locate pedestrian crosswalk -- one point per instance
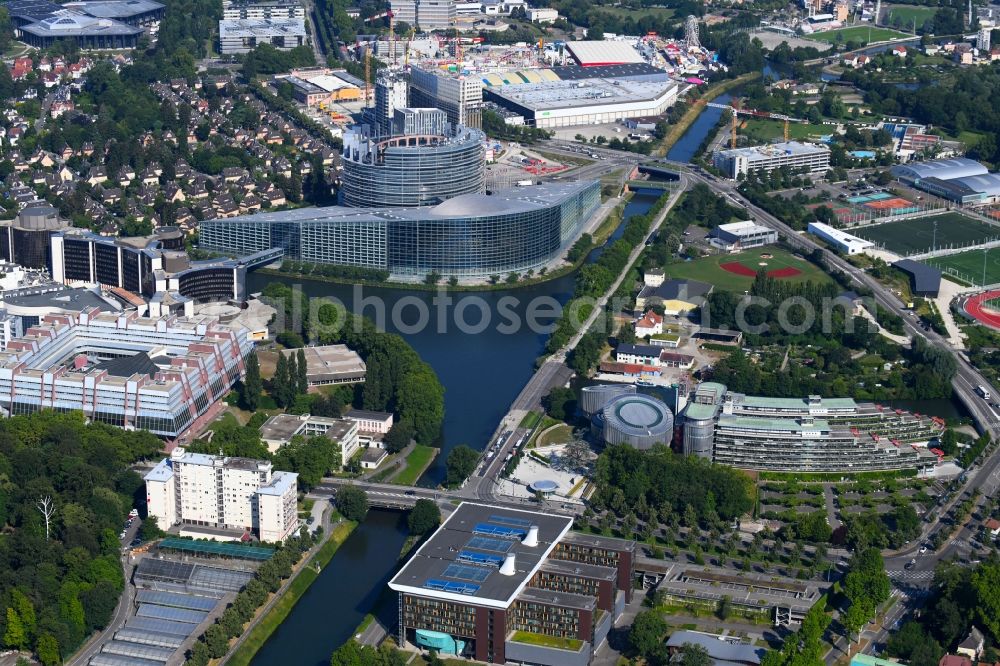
(911, 575)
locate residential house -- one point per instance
(649, 324)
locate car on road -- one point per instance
(923, 550)
(909, 565)
(409, 493)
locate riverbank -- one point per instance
(682, 126)
(604, 230)
(283, 603)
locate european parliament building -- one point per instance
(471, 235)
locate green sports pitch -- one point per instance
(709, 269)
(858, 33)
(907, 237)
(969, 266)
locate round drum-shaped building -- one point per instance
(638, 420)
(593, 398)
(412, 170)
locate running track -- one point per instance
(976, 307)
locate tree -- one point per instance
(646, 634)
(302, 385)
(695, 655)
(280, 383)
(461, 462)
(724, 608)
(352, 502)
(15, 636)
(47, 509)
(253, 386)
(560, 403)
(854, 620)
(424, 517)
(399, 437)
(149, 529)
(986, 586)
(48, 650)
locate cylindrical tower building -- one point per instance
(593, 398)
(638, 420)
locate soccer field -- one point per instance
(914, 236)
(968, 266)
(860, 33)
(709, 269)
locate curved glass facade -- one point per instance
(410, 171)
(471, 235)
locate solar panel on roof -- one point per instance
(448, 586)
(479, 558)
(496, 530)
(168, 613)
(158, 626)
(485, 543)
(176, 599)
(463, 572)
(508, 520)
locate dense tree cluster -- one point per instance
(459, 465)
(352, 502)
(265, 59)
(496, 128)
(55, 591)
(806, 646)
(353, 273)
(214, 643)
(963, 101)
(353, 653)
(397, 380)
(890, 529)
(424, 518)
(627, 476)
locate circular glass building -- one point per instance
(638, 420)
(593, 398)
(412, 170)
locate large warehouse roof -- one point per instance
(603, 53)
(579, 94)
(987, 183)
(959, 167)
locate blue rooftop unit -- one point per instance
(479, 558)
(496, 530)
(449, 586)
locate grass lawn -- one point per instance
(709, 269)
(530, 419)
(269, 623)
(416, 463)
(969, 265)
(558, 435)
(622, 12)
(758, 129)
(909, 13)
(529, 638)
(912, 236)
(858, 33)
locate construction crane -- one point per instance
(406, 54)
(786, 130)
(368, 75)
(392, 38)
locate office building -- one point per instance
(25, 240)
(148, 266)
(505, 585)
(424, 162)
(235, 10)
(796, 156)
(279, 430)
(321, 86)
(330, 364)
(244, 35)
(739, 236)
(470, 235)
(425, 14)
(813, 434)
(983, 39)
(461, 97)
(222, 498)
(129, 371)
(370, 421)
(840, 240)
(568, 102)
(391, 93)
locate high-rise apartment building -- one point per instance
(222, 498)
(391, 93)
(461, 97)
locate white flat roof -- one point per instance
(328, 82)
(603, 52)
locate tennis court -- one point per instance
(907, 237)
